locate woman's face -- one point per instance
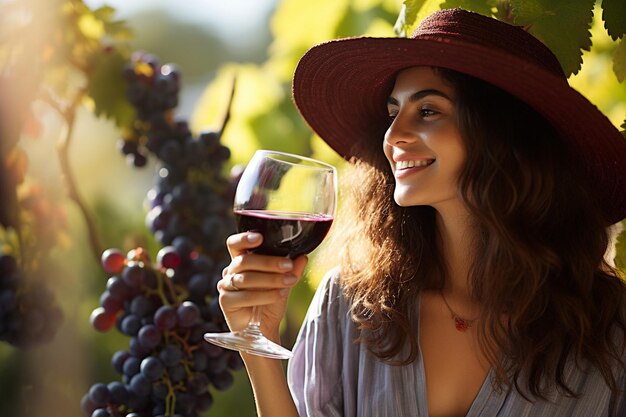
(423, 143)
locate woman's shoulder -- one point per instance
(329, 297)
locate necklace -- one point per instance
(460, 323)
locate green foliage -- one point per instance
(355, 22)
(549, 20)
(614, 16)
(107, 87)
(619, 60)
(484, 7)
(411, 10)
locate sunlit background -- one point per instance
(256, 42)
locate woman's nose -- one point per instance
(399, 132)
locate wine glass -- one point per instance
(290, 200)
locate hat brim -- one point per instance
(341, 88)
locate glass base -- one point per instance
(255, 344)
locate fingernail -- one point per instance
(289, 279)
(253, 237)
(284, 292)
(286, 264)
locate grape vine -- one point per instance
(166, 306)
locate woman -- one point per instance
(472, 280)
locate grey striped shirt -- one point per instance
(331, 375)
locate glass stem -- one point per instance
(254, 325)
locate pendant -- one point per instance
(461, 324)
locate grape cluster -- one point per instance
(191, 197)
(29, 314)
(164, 308)
(153, 92)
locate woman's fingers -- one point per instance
(232, 300)
(240, 243)
(255, 281)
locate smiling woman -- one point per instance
(471, 277)
(423, 143)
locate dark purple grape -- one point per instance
(130, 325)
(165, 317)
(222, 380)
(199, 360)
(110, 303)
(188, 314)
(149, 336)
(86, 405)
(204, 401)
(141, 306)
(118, 288)
(198, 383)
(119, 359)
(137, 349)
(199, 285)
(100, 412)
(131, 366)
(133, 275)
(118, 392)
(99, 394)
(152, 368)
(140, 385)
(171, 355)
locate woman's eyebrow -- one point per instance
(419, 95)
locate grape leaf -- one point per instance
(484, 7)
(614, 16)
(407, 16)
(563, 25)
(619, 61)
(107, 87)
(354, 23)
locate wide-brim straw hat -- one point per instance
(341, 88)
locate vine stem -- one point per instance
(63, 148)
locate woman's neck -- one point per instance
(455, 231)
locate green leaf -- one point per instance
(619, 61)
(484, 7)
(118, 30)
(355, 23)
(107, 87)
(614, 16)
(412, 12)
(104, 13)
(563, 25)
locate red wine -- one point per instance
(284, 234)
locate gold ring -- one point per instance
(231, 286)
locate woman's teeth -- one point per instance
(412, 164)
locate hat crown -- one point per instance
(474, 28)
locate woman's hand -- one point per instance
(256, 280)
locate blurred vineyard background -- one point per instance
(259, 43)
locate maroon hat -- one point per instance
(341, 87)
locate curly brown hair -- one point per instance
(538, 253)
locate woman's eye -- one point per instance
(392, 116)
(427, 112)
